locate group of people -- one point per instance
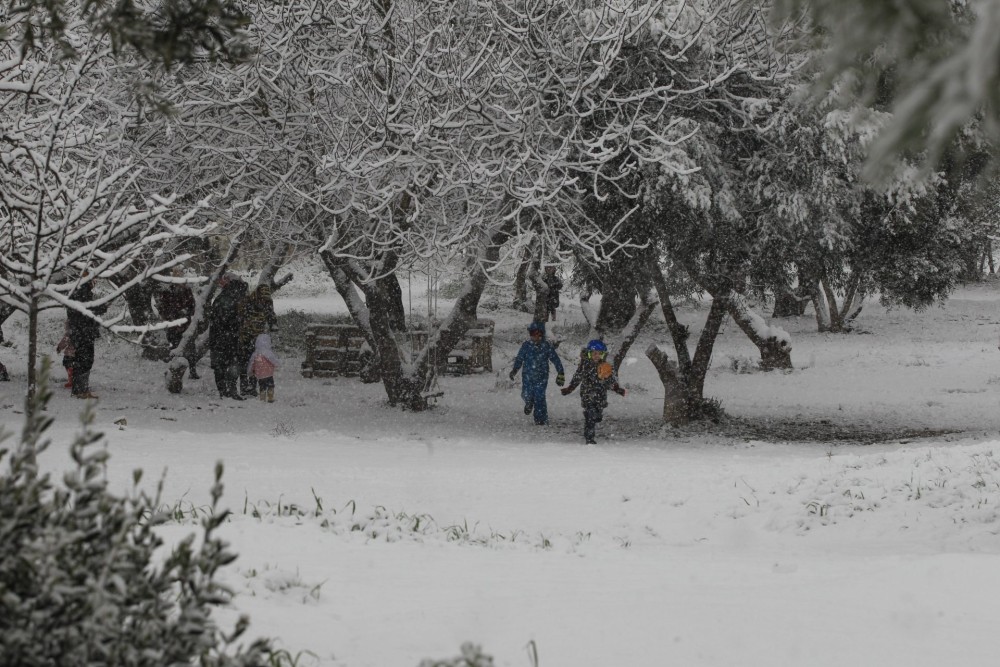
(239, 340)
(594, 375)
(239, 326)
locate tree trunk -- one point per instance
(194, 342)
(541, 289)
(774, 343)
(684, 382)
(390, 296)
(32, 355)
(675, 409)
(405, 382)
(521, 285)
(632, 330)
(679, 333)
(702, 359)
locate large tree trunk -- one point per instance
(675, 409)
(630, 333)
(194, 342)
(521, 285)
(32, 355)
(405, 381)
(831, 316)
(774, 343)
(541, 289)
(684, 381)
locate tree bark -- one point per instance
(675, 409)
(632, 330)
(541, 289)
(520, 301)
(684, 382)
(773, 342)
(404, 382)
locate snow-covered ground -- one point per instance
(371, 537)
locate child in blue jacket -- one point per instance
(535, 355)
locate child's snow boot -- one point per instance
(69, 378)
(270, 394)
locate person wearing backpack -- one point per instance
(594, 375)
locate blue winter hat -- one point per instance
(597, 346)
(536, 326)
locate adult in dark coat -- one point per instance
(82, 330)
(555, 284)
(174, 302)
(224, 335)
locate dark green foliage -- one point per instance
(166, 32)
(81, 579)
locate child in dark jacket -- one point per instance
(594, 376)
(535, 355)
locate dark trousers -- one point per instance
(591, 416)
(534, 395)
(225, 380)
(248, 383)
(83, 361)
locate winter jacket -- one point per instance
(224, 323)
(256, 315)
(535, 358)
(593, 390)
(81, 328)
(555, 284)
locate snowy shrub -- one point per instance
(84, 578)
(472, 656)
(283, 428)
(742, 365)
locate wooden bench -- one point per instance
(338, 349)
(473, 353)
(333, 350)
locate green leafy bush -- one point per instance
(83, 577)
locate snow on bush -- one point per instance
(84, 579)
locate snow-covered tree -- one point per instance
(841, 238)
(933, 60)
(70, 211)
